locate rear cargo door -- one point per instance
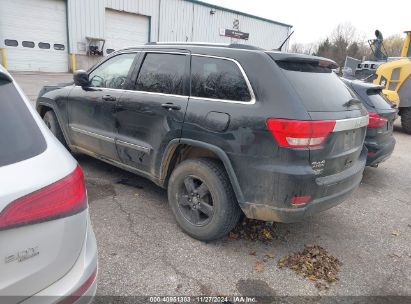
(382, 108)
(32, 257)
(325, 97)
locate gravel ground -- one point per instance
(142, 251)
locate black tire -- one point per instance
(406, 119)
(224, 212)
(51, 122)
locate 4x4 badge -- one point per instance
(318, 166)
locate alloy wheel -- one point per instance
(195, 201)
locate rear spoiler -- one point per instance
(375, 89)
(326, 63)
(362, 86)
(301, 58)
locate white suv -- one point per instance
(48, 249)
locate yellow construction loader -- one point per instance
(395, 76)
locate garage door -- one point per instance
(125, 30)
(34, 34)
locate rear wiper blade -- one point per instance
(352, 102)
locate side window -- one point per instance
(218, 79)
(162, 73)
(113, 73)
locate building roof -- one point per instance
(237, 12)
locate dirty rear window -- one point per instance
(318, 87)
(378, 101)
(20, 137)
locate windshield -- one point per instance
(20, 137)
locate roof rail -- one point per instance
(233, 45)
(188, 43)
(245, 47)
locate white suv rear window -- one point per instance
(20, 137)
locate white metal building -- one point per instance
(59, 35)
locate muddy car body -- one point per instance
(277, 130)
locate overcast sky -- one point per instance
(313, 20)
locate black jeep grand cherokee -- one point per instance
(227, 129)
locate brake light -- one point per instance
(376, 120)
(300, 133)
(300, 200)
(63, 198)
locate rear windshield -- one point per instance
(378, 101)
(20, 137)
(318, 87)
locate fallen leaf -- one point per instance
(233, 235)
(315, 264)
(253, 253)
(395, 233)
(269, 255)
(394, 255)
(259, 267)
(312, 277)
(255, 230)
(267, 234)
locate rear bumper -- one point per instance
(290, 215)
(82, 270)
(382, 151)
(327, 192)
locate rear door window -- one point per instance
(20, 137)
(217, 78)
(162, 73)
(319, 88)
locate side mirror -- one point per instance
(81, 79)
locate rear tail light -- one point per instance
(300, 200)
(63, 198)
(376, 120)
(300, 133)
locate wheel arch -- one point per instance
(175, 149)
(43, 107)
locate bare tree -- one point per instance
(344, 32)
(343, 41)
(393, 45)
(302, 48)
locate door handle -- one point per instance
(170, 106)
(109, 98)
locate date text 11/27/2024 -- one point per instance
(203, 299)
